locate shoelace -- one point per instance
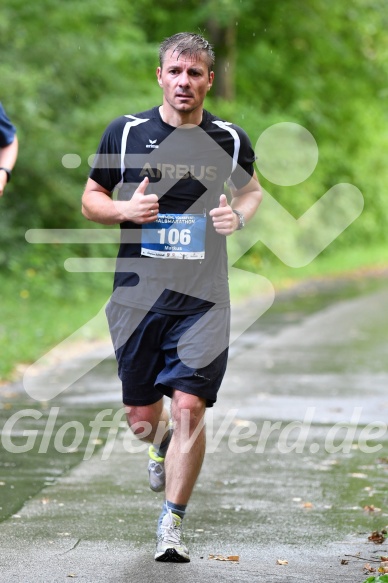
(171, 533)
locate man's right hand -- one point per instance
(98, 205)
(141, 208)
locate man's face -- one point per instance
(185, 81)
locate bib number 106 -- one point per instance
(174, 236)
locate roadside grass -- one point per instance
(35, 315)
(34, 318)
(351, 262)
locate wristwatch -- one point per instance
(241, 220)
(8, 173)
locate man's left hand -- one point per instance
(225, 220)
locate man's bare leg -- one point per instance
(187, 447)
(182, 465)
(151, 424)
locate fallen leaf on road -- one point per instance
(281, 562)
(383, 567)
(372, 508)
(368, 567)
(232, 558)
(307, 505)
(378, 537)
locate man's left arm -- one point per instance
(245, 201)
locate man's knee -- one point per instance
(143, 419)
(187, 410)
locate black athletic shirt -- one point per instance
(187, 168)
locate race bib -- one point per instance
(175, 236)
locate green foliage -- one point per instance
(377, 579)
(68, 69)
(321, 65)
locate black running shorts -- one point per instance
(157, 353)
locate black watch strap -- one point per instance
(7, 171)
(241, 220)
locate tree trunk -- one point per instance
(223, 39)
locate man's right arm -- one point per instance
(98, 205)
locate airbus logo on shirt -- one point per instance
(179, 171)
(152, 144)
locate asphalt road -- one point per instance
(295, 471)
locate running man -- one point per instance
(161, 175)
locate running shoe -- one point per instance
(156, 473)
(170, 547)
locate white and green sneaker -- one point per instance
(156, 473)
(169, 547)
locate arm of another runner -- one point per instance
(245, 200)
(8, 156)
(98, 205)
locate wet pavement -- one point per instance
(296, 467)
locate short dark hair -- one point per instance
(187, 43)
